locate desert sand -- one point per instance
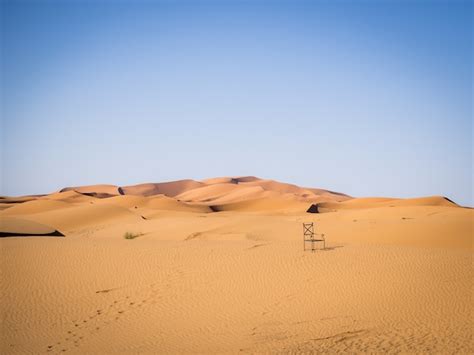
(217, 266)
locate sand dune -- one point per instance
(35, 206)
(230, 180)
(243, 194)
(70, 196)
(220, 180)
(9, 201)
(18, 199)
(200, 191)
(15, 227)
(75, 218)
(166, 203)
(377, 202)
(220, 193)
(125, 201)
(309, 194)
(170, 189)
(153, 203)
(414, 226)
(95, 189)
(272, 185)
(218, 266)
(4, 206)
(268, 201)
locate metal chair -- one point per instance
(309, 236)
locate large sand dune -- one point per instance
(217, 266)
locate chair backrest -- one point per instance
(308, 229)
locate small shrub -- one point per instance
(129, 235)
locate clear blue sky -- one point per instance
(367, 98)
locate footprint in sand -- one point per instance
(95, 321)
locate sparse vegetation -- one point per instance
(130, 235)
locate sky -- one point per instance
(369, 98)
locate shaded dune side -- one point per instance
(7, 202)
(18, 199)
(376, 202)
(18, 227)
(242, 179)
(95, 189)
(170, 189)
(230, 180)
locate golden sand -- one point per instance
(218, 266)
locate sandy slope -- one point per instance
(83, 217)
(36, 206)
(266, 202)
(15, 226)
(70, 196)
(221, 193)
(396, 277)
(377, 202)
